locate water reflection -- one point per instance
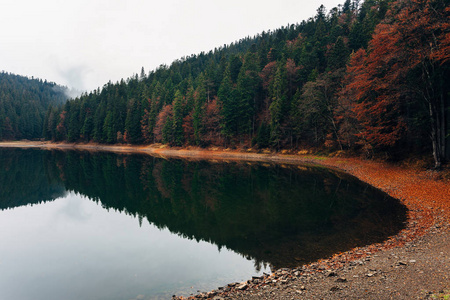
(281, 216)
(25, 178)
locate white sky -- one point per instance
(85, 43)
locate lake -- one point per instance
(81, 225)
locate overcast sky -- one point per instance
(85, 43)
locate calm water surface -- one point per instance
(75, 225)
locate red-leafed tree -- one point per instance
(267, 74)
(61, 128)
(442, 53)
(347, 123)
(162, 130)
(377, 90)
(406, 61)
(424, 27)
(188, 129)
(212, 121)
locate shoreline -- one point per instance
(163, 151)
(426, 197)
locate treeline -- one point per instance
(369, 77)
(24, 103)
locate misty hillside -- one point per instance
(24, 103)
(369, 77)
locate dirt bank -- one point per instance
(415, 264)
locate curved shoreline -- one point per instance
(426, 197)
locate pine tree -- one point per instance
(339, 55)
(228, 99)
(279, 103)
(132, 122)
(248, 85)
(200, 98)
(178, 115)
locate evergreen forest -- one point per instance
(24, 103)
(369, 77)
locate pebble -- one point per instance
(242, 286)
(211, 294)
(332, 274)
(335, 289)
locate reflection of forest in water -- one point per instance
(284, 216)
(25, 179)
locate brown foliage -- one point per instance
(61, 127)
(164, 116)
(344, 115)
(268, 73)
(377, 86)
(212, 122)
(295, 43)
(188, 128)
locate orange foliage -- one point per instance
(425, 195)
(164, 116)
(377, 80)
(61, 127)
(268, 73)
(212, 122)
(188, 128)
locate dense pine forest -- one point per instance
(368, 77)
(24, 103)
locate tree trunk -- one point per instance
(336, 132)
(435, 137)
(443, 127)
(434, 96)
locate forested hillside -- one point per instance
(371, 77)
(23, 105)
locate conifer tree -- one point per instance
(248, 85)
(178, 115)
(228, 98)
(200, 98)
(278, 95)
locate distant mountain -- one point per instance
(24, 103)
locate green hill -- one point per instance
(23, 105)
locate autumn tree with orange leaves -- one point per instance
(406, 60)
